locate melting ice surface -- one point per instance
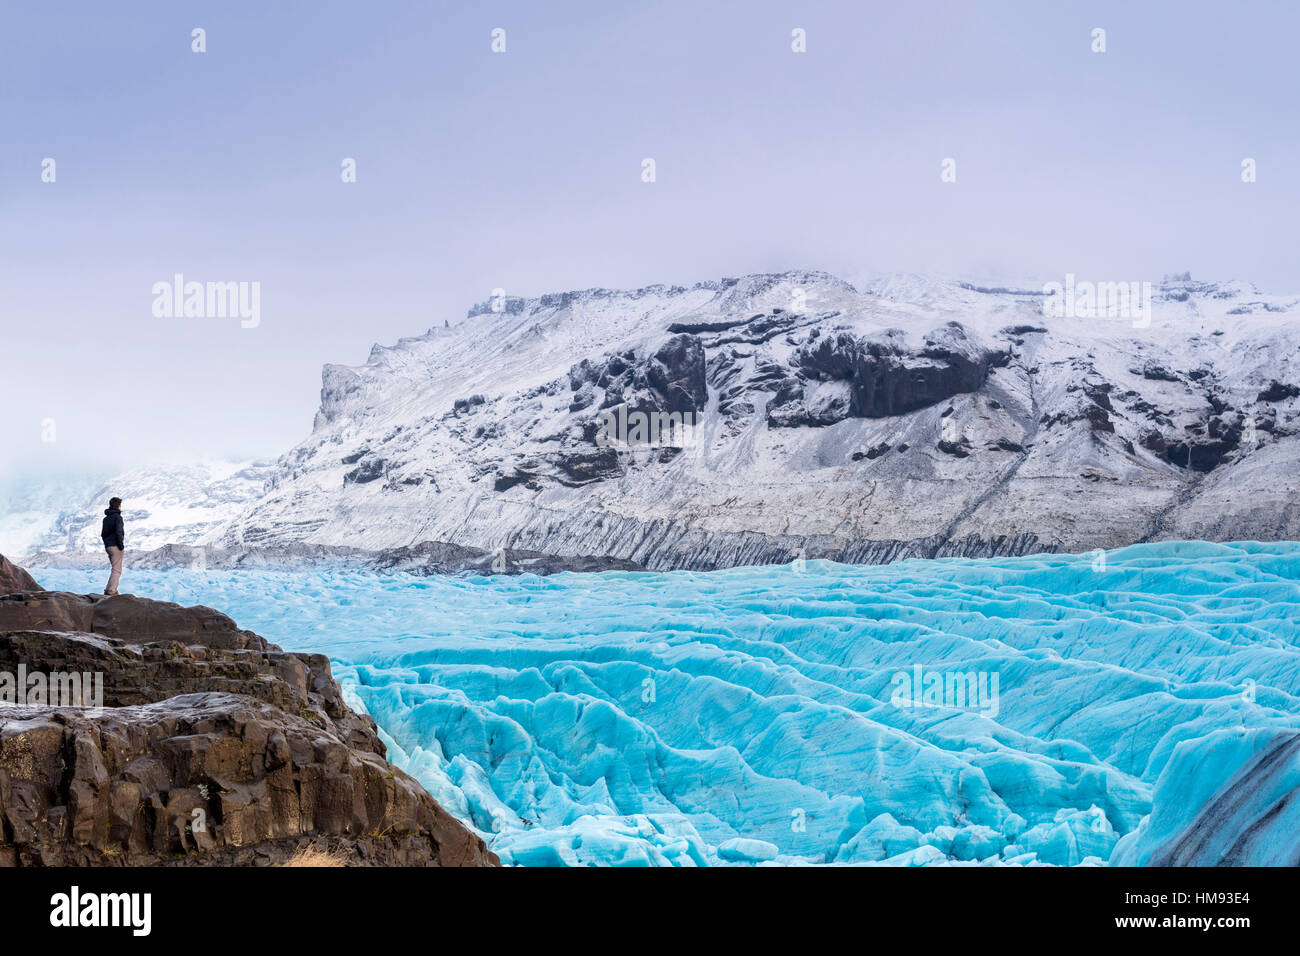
(1134, 708)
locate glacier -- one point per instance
(1132, 707)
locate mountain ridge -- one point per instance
(862, 421)
(921, 419)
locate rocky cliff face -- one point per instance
(862, 423)
(195, 742)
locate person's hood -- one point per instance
(112, 511)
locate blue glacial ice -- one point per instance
(1134, 708)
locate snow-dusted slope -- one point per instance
(909, 416)
(171, 504)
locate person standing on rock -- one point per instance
(114, 535)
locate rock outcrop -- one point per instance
(14, 578)
(672, 379)
(882, 377)
(192, 741)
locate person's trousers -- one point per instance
(115, 562)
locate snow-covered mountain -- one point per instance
(169, 504)
(902, 417)
(30, 506)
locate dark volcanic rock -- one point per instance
(584, 397)
(506, 482)
(672, 379)
(14, 578)
(1155, 372)
(695, 328)
(1278, 391)
(584, 466)
(208, 745)
(369, 470)
(1198, 452)
(677, 371)
(871, 453)
(758, 329)
(463, 405)
(886, 378)
(1098, 420)
(958, 449)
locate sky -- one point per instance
(522, 170)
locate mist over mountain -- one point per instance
(173, 504)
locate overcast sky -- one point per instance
(522, 170)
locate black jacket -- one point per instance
(113, 533)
